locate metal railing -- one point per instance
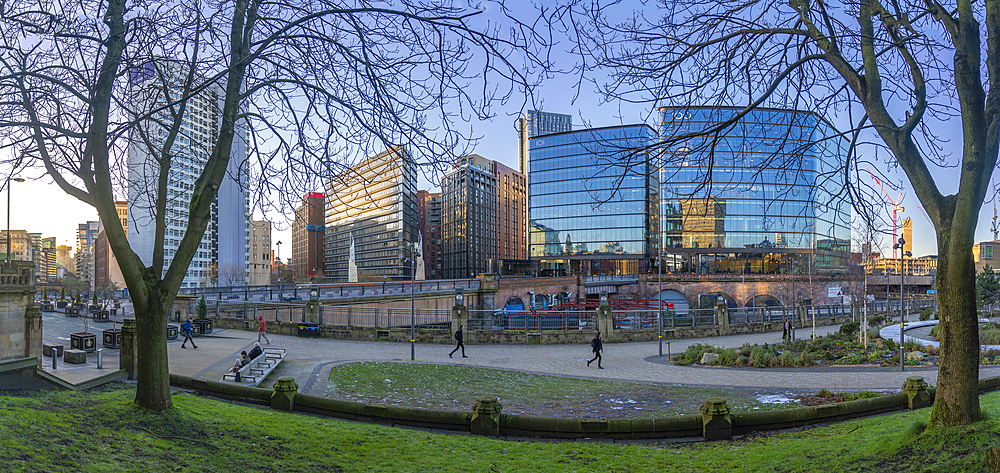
(292, 293)
(334, 315)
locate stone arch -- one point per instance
(681, 302)
(730, 302)
(513, 302)
(763, 300)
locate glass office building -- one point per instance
(370, 219)
(765, 194)
(593, 201)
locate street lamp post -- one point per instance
(9, 248)
(414, 254)
(659, 300)
(902, 309)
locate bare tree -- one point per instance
(302, 87)
(232, 275)
(895, 71)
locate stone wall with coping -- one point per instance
(513, 337)
(20, 319)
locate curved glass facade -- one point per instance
(764, 194)
(592, 201)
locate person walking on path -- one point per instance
(461, 342)
(188, 330)
(598, 347)
(262, 329)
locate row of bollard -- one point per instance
(100, 359)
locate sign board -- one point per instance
(932, 291)
(834, 291)
(670, 305)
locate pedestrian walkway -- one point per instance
(310, 360)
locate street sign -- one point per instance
(833, 291)
(932, 291)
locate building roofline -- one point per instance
(596, 129)
(765, 109)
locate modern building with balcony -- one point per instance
(761, 194)
(593, 201)
(371, 219)
(307, 238)
(429, 205)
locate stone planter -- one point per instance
(113, 338)
(172, 331)
(101, 316)
(201, 326)
(94, 308)
(85, 341)
(47, 306)
(73, 312)
(62, 304)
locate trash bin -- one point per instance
(308, 330)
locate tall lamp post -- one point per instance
(9, 248)
(659, 300)
(902, 310)
(414, 254)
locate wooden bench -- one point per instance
(258, 369)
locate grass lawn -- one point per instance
(457, 387)
(101, 431)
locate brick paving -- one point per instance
(309, 361)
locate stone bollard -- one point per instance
(127, 353)
(993, 459)
(916, 392)
(283, 396)
(486, 416)
(716, 423)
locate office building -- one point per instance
(429, 206)
(224, 246)
(48, 265)
(64, 261)
(370, 219)
(86, 236)
(765, 194)
(535, 123)
(20, 243)
(260, 253)
(483, 216)
(590, 215)
(308, 231)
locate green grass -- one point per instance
(457, 387)
(101, 431)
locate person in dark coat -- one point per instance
(188, 330)
(461, 342)
(256, 351)
(598, 347)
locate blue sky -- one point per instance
(40, 206)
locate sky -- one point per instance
(38, 205)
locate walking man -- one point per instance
(461, 342)
(262, 329)
(598, 347)
(188, 329)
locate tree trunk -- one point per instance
(956, 401)
(152, 365)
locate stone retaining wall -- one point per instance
(486, 418)
(516, 337)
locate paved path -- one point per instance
(309, 360)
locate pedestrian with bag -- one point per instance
(461, 342)
(188, 330)
(598, 347)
